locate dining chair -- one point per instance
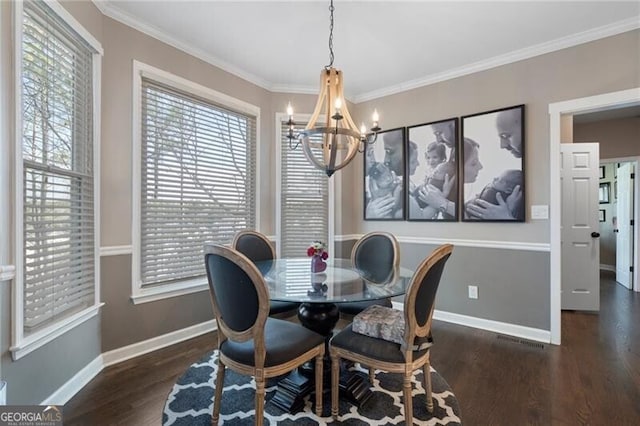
(249, 341)
(390, 356)
(257, 247)
(376, 254)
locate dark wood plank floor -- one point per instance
(593, 378)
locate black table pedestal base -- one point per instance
(291, 392)
(354, 386)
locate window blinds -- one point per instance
(57, 150)
(304, 200)
(198, 180)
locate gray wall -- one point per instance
(618, 138)
(513, 284)
(566, 74)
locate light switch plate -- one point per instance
(540, 212)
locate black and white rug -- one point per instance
(190, 402)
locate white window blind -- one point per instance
(304, 200)
(58, 181)
(198, 180)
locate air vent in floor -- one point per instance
(521, 341)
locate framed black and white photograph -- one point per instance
(432, 170)
(493, 174)
(601, 172)
(384, 163)
(603, 195)
(602, 216)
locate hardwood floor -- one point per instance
(593, 378)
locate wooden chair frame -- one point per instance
(257, 234)
(255, 333)
(365, 237)
(412, 330)
(261, 236)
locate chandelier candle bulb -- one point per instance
(331, 139)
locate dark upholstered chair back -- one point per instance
(238, 292)
(376, 254)
(421, 295)
(254, 245)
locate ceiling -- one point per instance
(382, 47)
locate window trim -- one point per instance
(140, 294)
(22, 345)
(282, 117)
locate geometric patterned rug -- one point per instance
(190, 402)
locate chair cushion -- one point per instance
(384, 323)
(372, 347)
(283, 340)
(354, 308)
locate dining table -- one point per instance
(319, 294)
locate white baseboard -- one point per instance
(84, 376)
(74, 384)
(521, 331)
(140, 348)
(611, 268)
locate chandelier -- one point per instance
(331, 139)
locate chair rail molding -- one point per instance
(502, 245)
(7, 272)
(116, 250)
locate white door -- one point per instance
(580, 229)
(624, 235)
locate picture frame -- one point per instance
(602, 216)
(604, 192)
(432, 171)
(602, 172)
(493, 165)
(384, 176)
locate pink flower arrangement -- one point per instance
(318, 248)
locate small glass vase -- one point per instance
(317, 264)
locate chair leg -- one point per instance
(408, 399)
(372, 374)
(260, 392)
(426, 382)
(319, 368)
(217, 396)
(335, 373)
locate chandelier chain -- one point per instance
(331, 9)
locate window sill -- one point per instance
(42, 337)
(153, 294)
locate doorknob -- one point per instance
(595, 234)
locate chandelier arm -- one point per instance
(320, 102)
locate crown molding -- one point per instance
(108, 10)
(615, 28)
(515, 56)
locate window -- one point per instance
(197, 158)
(56, 178)
(304, 199)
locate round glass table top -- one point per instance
(291, 280)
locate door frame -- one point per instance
(636, 228)
(556, 110)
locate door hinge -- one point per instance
(630, 268)
(633, 175)
(631, 222)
